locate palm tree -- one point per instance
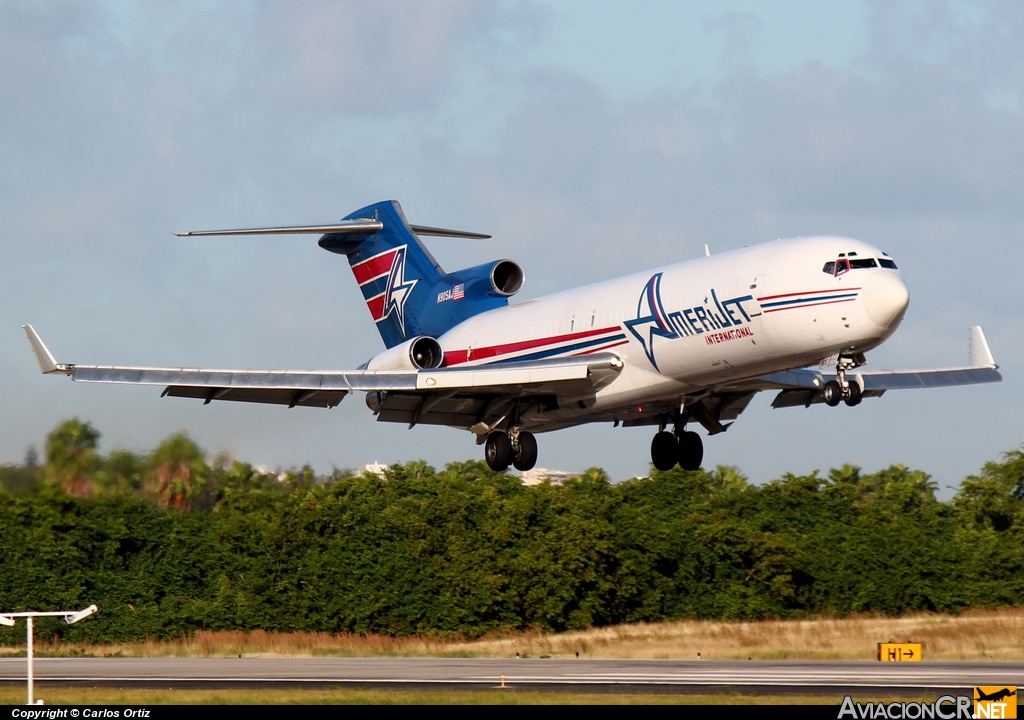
(177, 472)
(71, 457)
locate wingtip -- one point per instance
(48, 365)
(979, 353)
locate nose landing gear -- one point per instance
(841, 389)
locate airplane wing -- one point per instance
(717, 408)
(803, 387)
(448, 396)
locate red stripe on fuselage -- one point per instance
(809, 292)
(807, 305)
(457, 357)
(374, 267)
(602, 347)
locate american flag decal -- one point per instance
(458, 292)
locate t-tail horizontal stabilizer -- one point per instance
(404, 288)
(340, 228)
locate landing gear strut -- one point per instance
(515, 447)
(841, 389)
(682, 447)
(524, 452)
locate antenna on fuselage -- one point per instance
(707, 250)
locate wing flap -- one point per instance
(806, 398)
(271, 396)
(450, 411)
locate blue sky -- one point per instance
(591, 139)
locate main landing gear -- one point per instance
(515, 447)
(841, 389)
(682, 446)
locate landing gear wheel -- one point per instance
(664, 451)
(833, 393)
(854, 397)
(498, 451)
(524, 457)
(691, 451)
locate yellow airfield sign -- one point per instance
(899, 652)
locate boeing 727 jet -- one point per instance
(680, 346)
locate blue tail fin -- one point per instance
(406, 291)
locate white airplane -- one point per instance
(684, 344)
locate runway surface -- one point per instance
(689, 676)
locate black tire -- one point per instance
(833, 393)
(498, 451)
(691, 451)
(855, 395)
(664, 451)
(524, 457)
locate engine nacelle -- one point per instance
(501, 279)
(419, 353)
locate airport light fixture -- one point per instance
(70, 617)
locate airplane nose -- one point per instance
(885, 298)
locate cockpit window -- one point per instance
(861, 263)
(846, 263)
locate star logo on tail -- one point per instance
(398, 290)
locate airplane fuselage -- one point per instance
(689, 326)
(687, 343)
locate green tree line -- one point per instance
(171, 542)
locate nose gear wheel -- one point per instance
(841, 389)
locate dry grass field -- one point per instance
(978, 635)
(148, 696)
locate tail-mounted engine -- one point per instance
(499, 279)
(420, 353)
